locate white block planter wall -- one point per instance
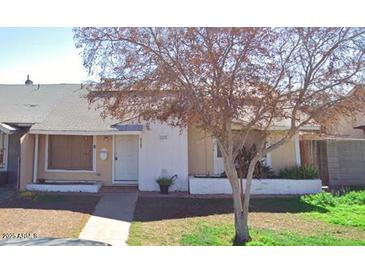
(57, 187)
(262, 187)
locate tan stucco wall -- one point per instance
(26, 163)
(344, 126)
(200, 151)
(103, 171)
(201, 158)
(283, 156)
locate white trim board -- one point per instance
(125, 183)
(7, 129)
(84, 133)
(46, 169)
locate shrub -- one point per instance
(289, 173)
(322, 199)
(325, 199)
(303, 172)
(261, 171)
(264, 172)
(29, 195)
(353, 198)
(308, 172)
(164, 181)
(242, 161)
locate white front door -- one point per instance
(126, 158)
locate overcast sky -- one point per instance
(48, 55)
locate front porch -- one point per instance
(129, 157)
(81, 186)
(78, 163)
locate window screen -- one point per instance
(70, 152)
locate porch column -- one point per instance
(297, 150)
(35, 162)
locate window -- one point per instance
(219, 152)
(70, 152)
(2, 150)
(218, 160)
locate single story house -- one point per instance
(339, 153)
(51, 134)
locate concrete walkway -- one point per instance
(111, 219)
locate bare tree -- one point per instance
(227, 80)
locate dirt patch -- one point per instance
(46, 215)
(162, 208)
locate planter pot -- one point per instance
(164, 189)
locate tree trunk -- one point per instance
(246, 201)
(241, 189)
(241, 230)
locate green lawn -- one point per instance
(312, 220)
(207, 234)
(347, 210)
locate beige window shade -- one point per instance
(70, 152)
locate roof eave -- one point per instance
(5, 128)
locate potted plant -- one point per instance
(165, 182)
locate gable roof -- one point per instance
(63, 109)
(52, 108)
(74, 113)
(29, 103)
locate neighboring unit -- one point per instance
(339, 154)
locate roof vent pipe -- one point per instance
(28, 81)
